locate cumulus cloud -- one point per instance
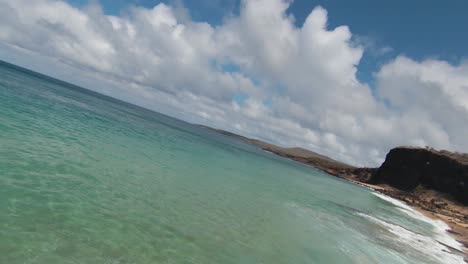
(297, 85)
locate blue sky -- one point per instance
(398, 77)
(419, 29)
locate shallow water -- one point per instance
(88, 179)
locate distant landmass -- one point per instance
(434, 181)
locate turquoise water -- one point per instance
(89, 179)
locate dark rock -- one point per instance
(406, 168)
(361, 174)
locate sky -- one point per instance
(348, 79)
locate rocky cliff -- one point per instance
(406, 168)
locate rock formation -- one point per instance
(406, 168)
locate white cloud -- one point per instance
(430, 98)
(300, 82)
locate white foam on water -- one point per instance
(424, 244)
(439, 227)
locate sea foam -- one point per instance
(436, 245)
(418, 242)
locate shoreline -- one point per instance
(430, 203)
(458, 229)
(454, 216)
(458, 225)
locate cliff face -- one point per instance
(405, 168)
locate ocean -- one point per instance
(85, 178)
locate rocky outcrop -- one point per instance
(407, 168)
(362, 175)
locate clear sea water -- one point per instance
(89, 179)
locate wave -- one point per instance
(420, 243)
(440, 228)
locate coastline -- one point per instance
(458, 230)
(452, 217)
(430, 203)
